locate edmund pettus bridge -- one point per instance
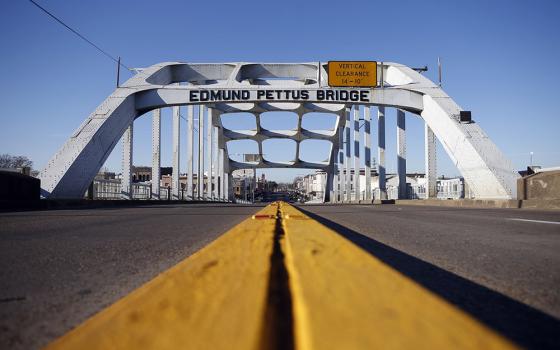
(199, 271)
(218, 89)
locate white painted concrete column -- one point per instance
(126, 181)
(367, 150)
(381, 152)
(401, 153)
(430, 159)
(200, 175)
(347, 145)
(175, 182)
(357, 191)
(190, 151)
(209, 129)
(156, 152)
(215, 164)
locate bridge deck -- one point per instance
(60, 267)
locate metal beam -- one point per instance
(253, 185)
(200, 175)
(341, 178)
(357, 191)
(220, 173)
(126, 181)
(215, 164)
(367, 150)
(381, 152)
(190, 151)
(229, 187)
(156, 153)
(175, 176)
(347, 177)
(330, 180)
(208, 151)
(401, 153)
(430, 161)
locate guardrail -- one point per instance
(242, 201)
(112, 190)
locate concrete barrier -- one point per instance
(463, 203)
(18, 187)
(539, 186)
(54, 204)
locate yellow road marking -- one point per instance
(344, 298)
(214, 299)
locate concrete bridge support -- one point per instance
(401, 153)
(381, 152)
(430, 160)
(190, 150)
(126, 182)
(156, 152)
(175, 181)
(367, 151)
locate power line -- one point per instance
(79, 35)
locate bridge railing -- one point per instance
(112, 189)
(107, 189)
(141, 191)
(242, 201)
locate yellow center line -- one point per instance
(215, 299)
(344, 298)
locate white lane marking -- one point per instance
(537, 221)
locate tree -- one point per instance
(9, 161)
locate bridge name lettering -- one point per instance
(240, 95)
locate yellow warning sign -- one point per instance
(353, 73)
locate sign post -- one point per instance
(352, 73)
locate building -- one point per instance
(105, 175)
(244, 183)
(312, 186)
(144, 173)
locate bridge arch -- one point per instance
(263, 87)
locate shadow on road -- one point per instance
(523, 324)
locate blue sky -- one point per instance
(500, 60)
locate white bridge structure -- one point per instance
(220, 88)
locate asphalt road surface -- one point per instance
(57, 268)
(501, 266)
